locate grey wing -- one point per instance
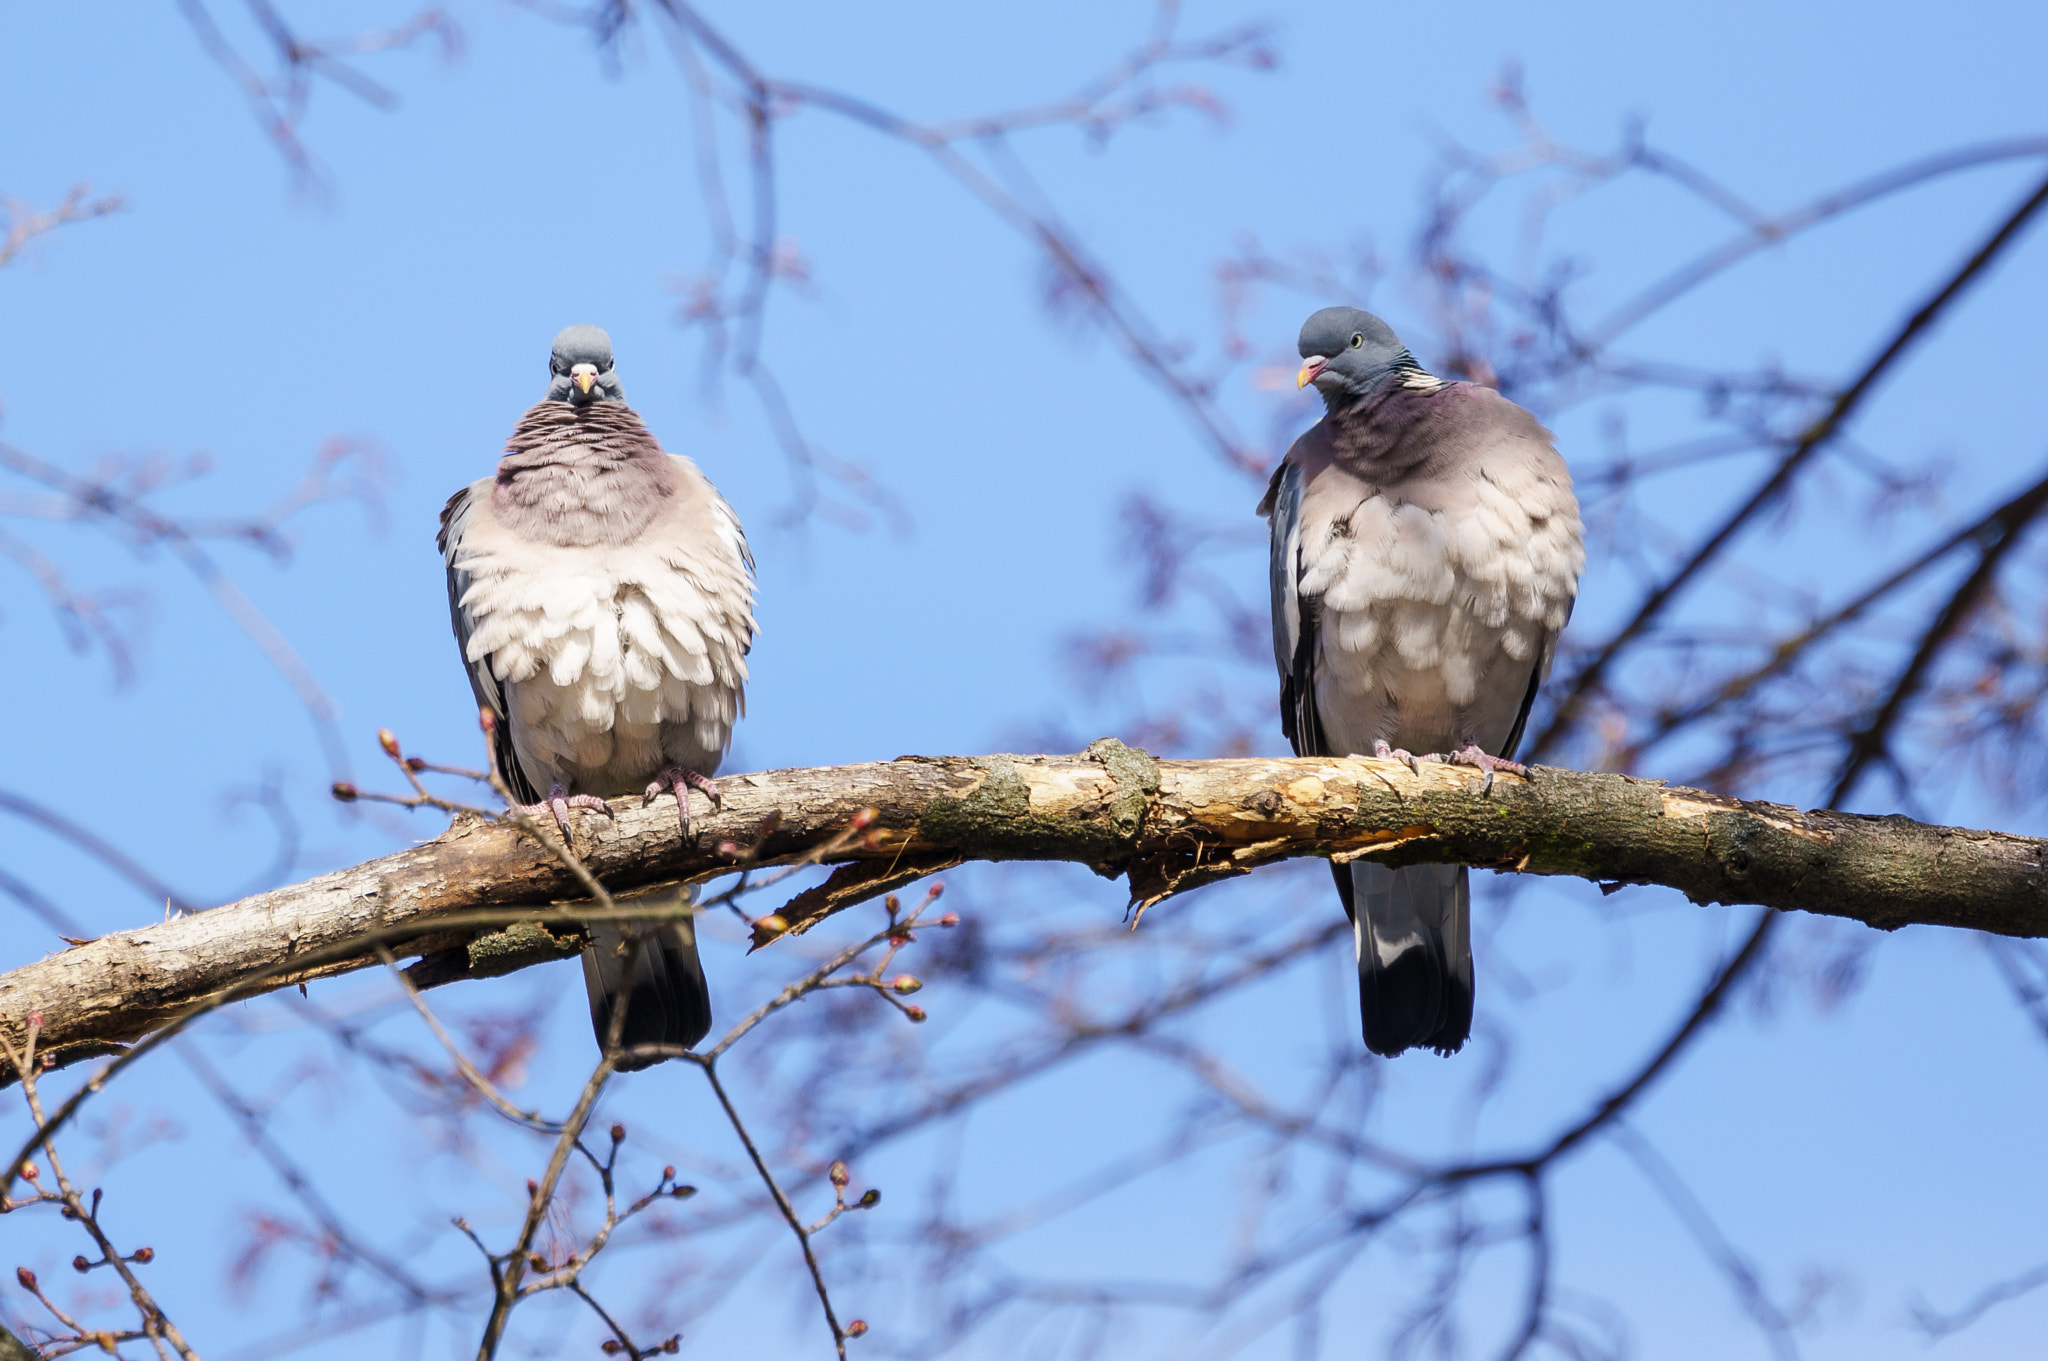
(483, 684)
(1545, 648)
(1294, 619)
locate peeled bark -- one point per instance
(1168, 826)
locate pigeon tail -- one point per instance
(1414, 937)
(667, 1001)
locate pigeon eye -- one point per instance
(1357, 339)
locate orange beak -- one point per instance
(1310, 367)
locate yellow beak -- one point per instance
(1310, 367)
(586, 381)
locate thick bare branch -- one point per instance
(1168, 825)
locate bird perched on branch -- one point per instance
(1426, 551)
(602, 595)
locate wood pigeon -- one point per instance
(602, 595)
(1426, 551)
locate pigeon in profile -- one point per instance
(1426, 552)
(602, 595)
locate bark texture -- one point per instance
(1168, 826)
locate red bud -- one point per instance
(857, 1327)
(80, 1265)
(838, 1173)
(905, 983)
(344, 791)
(415, 764)
(143, 1255)
(950, 919)
(388, 740)
(611, 1347)
(935, 890)
(618, 1134)
(486, 720)
(532, 1188)
(667, 1173)
(864, 818)
(30, 1172)
(26, 1277)
(914, 1013)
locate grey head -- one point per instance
(580, 369)
(1347, 353)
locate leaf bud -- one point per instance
(415, 764)
(838, 1173)
(869, 1199)
(950, 919)
(935, 890)
(532, 1188)
(618, 1134)
(26, 1277)
(668, 1173)
(684, 1192)
(857, 1327)
(674, 1344)
(905, 983)
(344, 792)
(30, 1172)
(388, 740)
(486, 720)
(80, 1265)
(143, 1255)
(914, 1013)
(773, 924)
(611, 1347)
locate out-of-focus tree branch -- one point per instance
(21, 223)
(1167, 825)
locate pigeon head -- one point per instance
(1347, 353)
(580, 369)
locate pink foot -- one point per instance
(1472, 754)
(1384, 752)
(559, 801)
(679, 782)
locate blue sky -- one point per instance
(520, 186)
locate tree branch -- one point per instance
(1168, 826)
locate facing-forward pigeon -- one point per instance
(1426, 551)
(602, 595)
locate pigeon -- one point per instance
(1426, 551)
(603, 599)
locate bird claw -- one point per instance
(1381, 750)
(1472, 754)
(558, 803)
(679, 781)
